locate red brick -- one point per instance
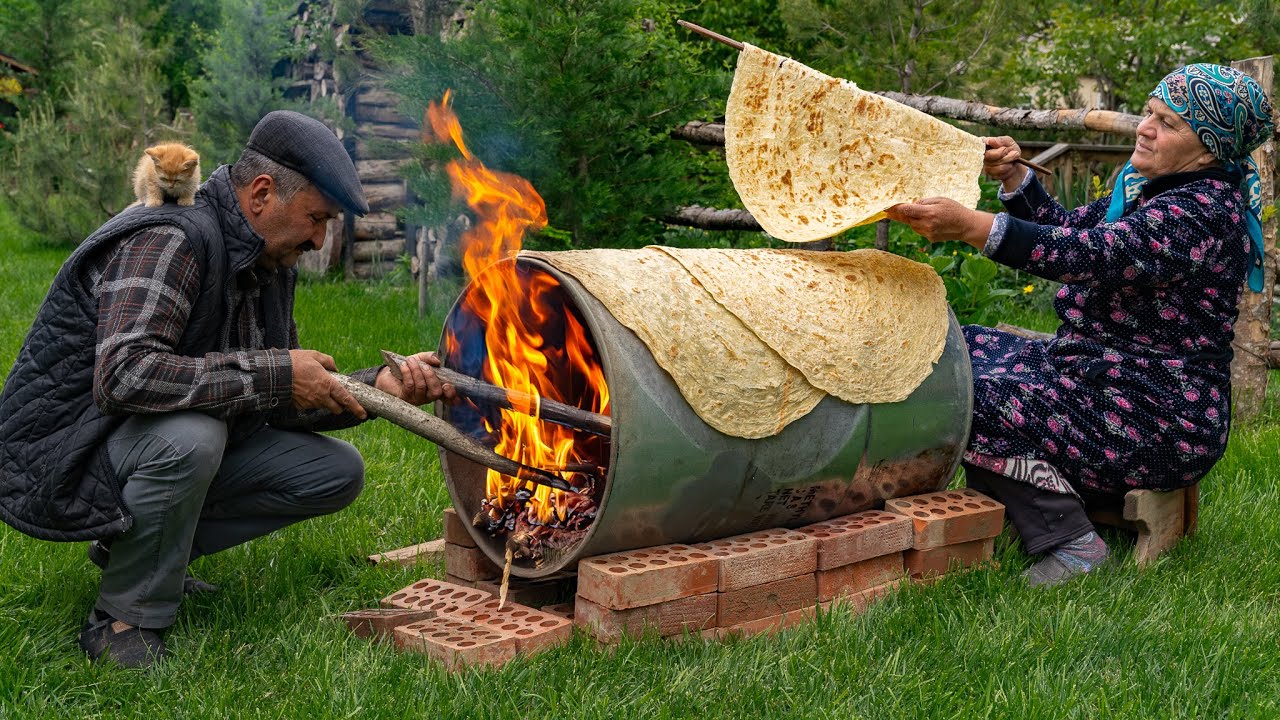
(456, 643)
(857, 537)
(564, 609)
(937, 561)
(455, 580)
(645, 577)
(455, 529)
(766, 625)
(435, 595)
(949, 517)
(761, 557)
(851, 579)
(469, 563)
(761, 601)
(534, 593)
(533, 630)
(672, 617)
(858, 603)
(431, 551)
(379, 623)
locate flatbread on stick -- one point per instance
(812, 156)
(866, 326)
(731, 379)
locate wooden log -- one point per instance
(372, 250)
(379, 114)
(376, 96)
(383, 196)
(1253, 329)
(371, 270)
(379, 170)
(432, 551)
(381, 149)
(486, 393)
(440, 432)
(705, 133)
(376, 226)
(713, 219)
(388, 130)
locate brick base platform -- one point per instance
(755, 583)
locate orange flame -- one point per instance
(517, 309)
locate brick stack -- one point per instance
(952, 529)
(752, 583)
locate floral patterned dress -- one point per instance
(1134, 391)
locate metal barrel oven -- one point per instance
(673, 479)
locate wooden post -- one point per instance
(1253, 329)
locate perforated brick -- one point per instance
(533, 630)
(860, 536)
(949, 517)
(765, 625)
(564, 609)
(761, 557)
(455, 530)
(760, 601)
(379, 623)
(456, 643)
(435, 595)
(644, 577)
(859, 576)
(858, 603)
(937, 561)
(469, 563)
(672, 617)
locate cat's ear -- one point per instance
(154, 153)
(189, 164)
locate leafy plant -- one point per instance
(971, 287)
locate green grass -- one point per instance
(1194, 636)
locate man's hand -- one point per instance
(315, 389)
(999, 162)
(940, 218)
(419, 383)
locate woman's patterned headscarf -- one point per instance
(1230, 114)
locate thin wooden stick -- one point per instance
(440, 432)
(738, 46)
(521, 402)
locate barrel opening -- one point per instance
(532, 340)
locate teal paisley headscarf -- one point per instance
(1230, 114)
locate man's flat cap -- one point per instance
(306, 145)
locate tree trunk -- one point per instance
(1253, 329)
(713, 219)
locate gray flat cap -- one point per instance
(306, 145)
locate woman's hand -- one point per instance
(940, 218)
(1000, 162)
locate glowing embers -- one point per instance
(514, 328)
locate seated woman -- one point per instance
(1134, 390)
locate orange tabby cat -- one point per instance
(167, 170)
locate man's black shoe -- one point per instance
(100, 554)
(105, 638)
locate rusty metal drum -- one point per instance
(671, 478)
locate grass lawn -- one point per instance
(1196, 635)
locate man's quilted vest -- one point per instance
(51, 431)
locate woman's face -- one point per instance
(1166, 144)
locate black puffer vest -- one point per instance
(51, 431)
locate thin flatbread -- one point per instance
(866, 326)
(730, 378)
(812, 156)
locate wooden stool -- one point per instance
(1160, 518)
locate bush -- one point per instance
(68, 172)
(579, 97)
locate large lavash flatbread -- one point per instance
(730, 378)
(866, 326)
(811, 155)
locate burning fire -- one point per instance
(524, 318)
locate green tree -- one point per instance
(579, 97)
(243, 76)
(911, 46)
(1128, 45)
(68, 170)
